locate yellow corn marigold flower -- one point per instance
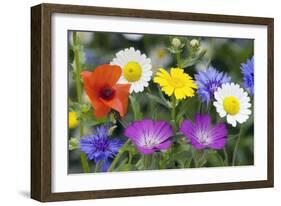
(177, 82)
(72, 120)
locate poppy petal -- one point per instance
(105, 75)
(120, 101)
(122, 93)
(115, 104)
(90, 91)
(86, 82)
(100, 109)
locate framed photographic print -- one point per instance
(132, 102)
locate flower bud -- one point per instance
(85, 108)
(176, 42)
(194, 43)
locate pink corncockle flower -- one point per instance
(150, 136)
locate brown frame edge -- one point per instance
(41, 101)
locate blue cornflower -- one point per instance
(208, 82)
(89, 56)
(99, 147)
(248, 75)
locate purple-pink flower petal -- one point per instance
(202, 134)
(149, 136)
(145, 150)
(164, 145)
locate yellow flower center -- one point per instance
(132, 71)
(177, 82)
(161, 53)
(231, 105)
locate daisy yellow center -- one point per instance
(161, 53)
(132, 71)
(231, 105)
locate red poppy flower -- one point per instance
(104, 92)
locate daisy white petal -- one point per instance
(233, 102)
(136, 68)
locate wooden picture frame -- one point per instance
(41, 97)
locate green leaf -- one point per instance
(163, 98)
(192, 61)
(180, 156)
(139, 164)
(188, 162)
(73, 106)
(154, 115)
(158, 100)
(214, 158)
(183, 109)
(174, 50)
(85, 108)
(136, 108)
(202, 53)
(188, 62)
(123, 166)
(199, 157)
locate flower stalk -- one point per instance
(178, 57)
(173, 113)
(225, 156)
(83, 158)
(234, 156)
(116, 159)
(146, 161)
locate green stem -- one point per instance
(225, 156)
(194, 157)
(178, 57)
(116, 159)
(236, 147)
(121, 151)
(122, 122)
(146, 161)
(84, 162)
(151, 103)
(208, 107)
(77, 67)
(173, 107)
(212, 42)
(173, 120)
(199, 157)
(98, 166)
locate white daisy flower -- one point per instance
(160, 57)
(136, 68)
(233, 102)
(133, 37)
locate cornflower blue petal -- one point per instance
(248, 75)
(99, 147)
(208, 82)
